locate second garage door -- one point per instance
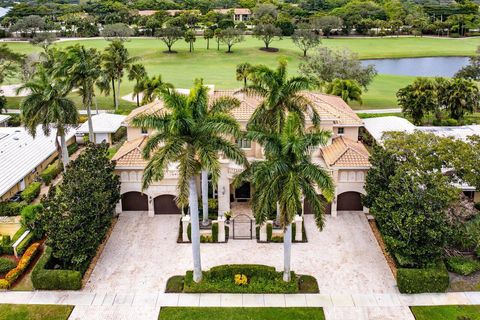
(165, 204)
(349, 201)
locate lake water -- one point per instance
(420, 67)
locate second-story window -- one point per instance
(341, 130)
(144, 130)
(244, 143)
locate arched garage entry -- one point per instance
(165, 204)
(349, 201)
(134, 201)
(307, 209)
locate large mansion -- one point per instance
(344, 156)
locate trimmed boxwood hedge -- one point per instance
(22, 246)
(11, 208)
(49, 279)
(51, 172)
(463, 265)
(31, 192)
(423, 280)
(6, 265)
(261, 279)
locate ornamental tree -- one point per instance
(78, 212)
(306, 39)
(267, 33)
(169, 36)
(230, 37)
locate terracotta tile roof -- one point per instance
(235, 11)
(344, 152)
(130, 153)
(150, 108)
(146, 13)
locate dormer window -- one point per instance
(341, 131)
(144, 131)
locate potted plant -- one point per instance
(228, 215)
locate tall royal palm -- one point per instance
(151, 88)
(188, 135)
(281, 95)
(137, 73)
(286, 175)
(81, 67)
(47, 105)
(117, 59)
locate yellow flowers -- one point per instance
(241, 279)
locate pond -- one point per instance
(420, 67)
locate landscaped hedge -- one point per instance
(423, 280)
(72, 148)
(11, 208)
(260, 279)
(462, 265)
(51, 172)
(22, 246)
(22, 265)
(31, 192)
(49, 279)
(6, 265)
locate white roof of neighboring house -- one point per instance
(378, 126)
(4, 118)
(103, 123)
(20, 153)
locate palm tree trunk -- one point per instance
(87, 103)
(113, 91)
(208, 43)
(205, 197)
(138, 97)
(287, 252)
(118, 93)
(63, 146)
(193, 201)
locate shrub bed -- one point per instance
(22, 246)
(260, 279)
(22, 265)
(175, 284)
(423, 280)
(31, 192)
(462, 265)
(72, 148)
(49, 279)
(6, 265)
(11, 208)
(51, 172)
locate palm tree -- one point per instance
(81, 67)
(48, 105)
(116, 60)
(243, 72)
(286, 175)
(192, 137)
(281, 95)
(137, 72)
(348, 90)
(151, 88)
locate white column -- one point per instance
(151, 208)
(298, 228)
(185, 223)
(334, 205)
(223, 192)
(263, 232)
(118, 207)
(221, 229)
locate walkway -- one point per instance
(142, 253)
(146, 304)
(80, 111)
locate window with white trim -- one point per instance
(244, 143)
(341, 130)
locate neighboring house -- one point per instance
(4, 120)
(23, 158)
(105, 125)
(238, 14)
(376, 127)
(344, 157)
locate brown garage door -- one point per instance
(349, 201)
(165, 204)
(307, 209)
(134, 201)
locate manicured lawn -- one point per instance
(34, 312)
(198, 313)
(446, 312)
(217, 67)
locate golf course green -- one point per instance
(218, 68)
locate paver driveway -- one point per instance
(142, 254)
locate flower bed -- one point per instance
(22, 265)
(243, 279)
